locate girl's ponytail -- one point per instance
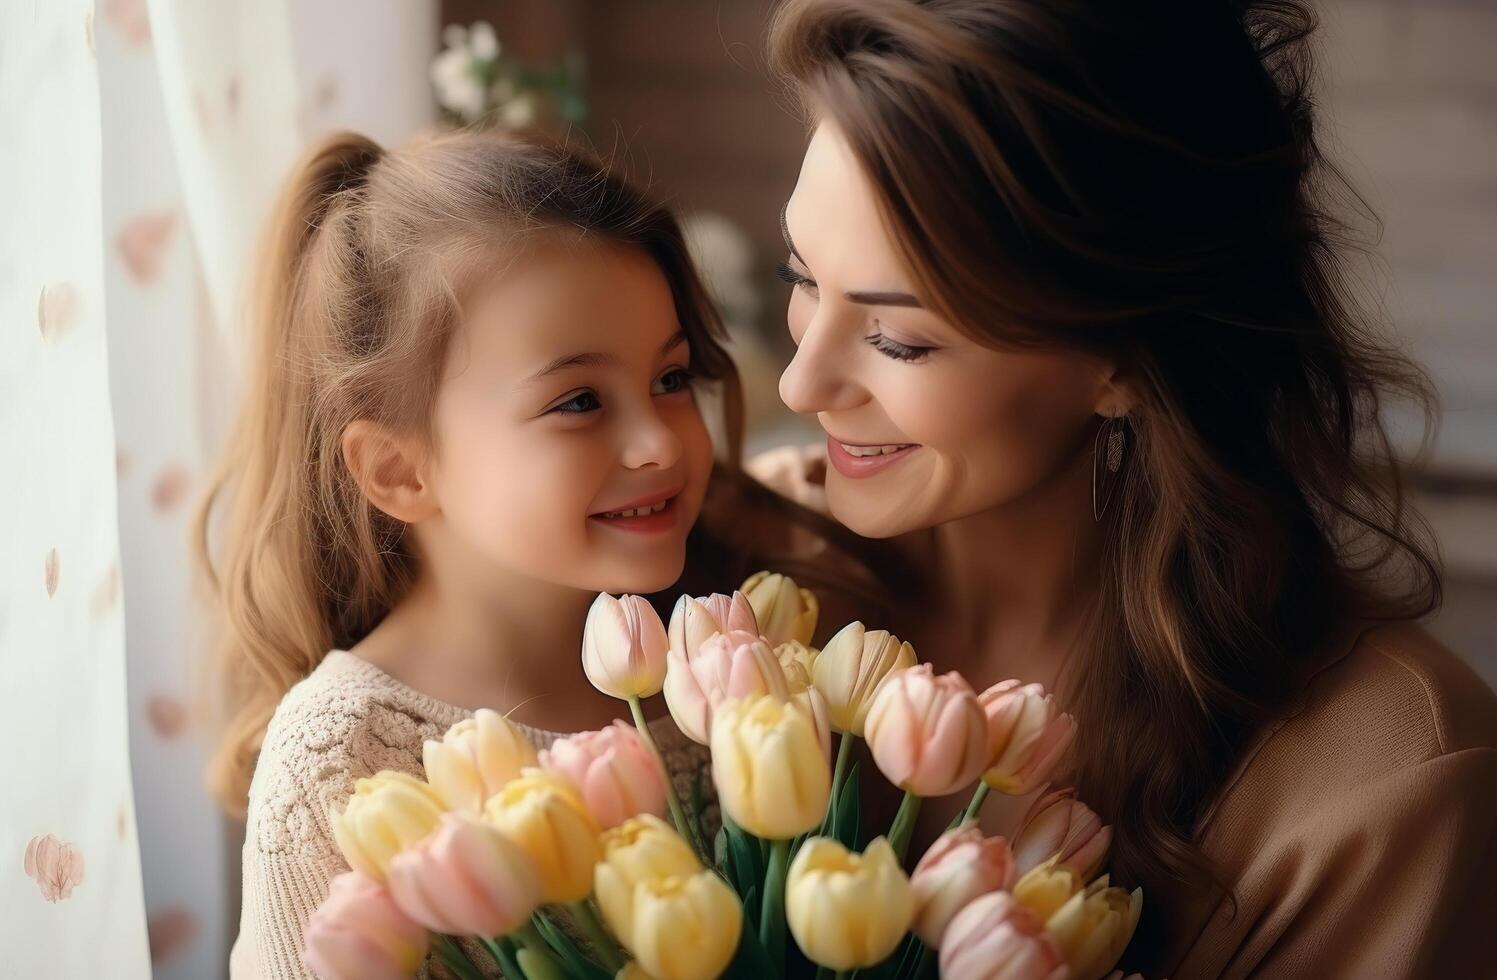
(268, 577)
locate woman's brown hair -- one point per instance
(362, 275)
(1143, 181)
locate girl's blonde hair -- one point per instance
(358, 291)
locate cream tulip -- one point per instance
(388, 812)
(1095, 926)
(927, 733)
(359, 933)
(642, 849)
(961, 865)
(1028, 736)
(729, 665)
(1044, 889)
(623, 647)
(1060, 826)
(996, 938)
(769, 766)
(465, 879)
(475, 759)
(694, 621)
(850, 668)
(685, 927)
(786, 612)
(847, 910)
(546, 817)
(617, 774)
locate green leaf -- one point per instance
(751, 904)
(745, 858)
(751, 961)
(848, 805)
(578, 965)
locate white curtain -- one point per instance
(71, 889)
(205, 107)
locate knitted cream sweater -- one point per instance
(347, 720)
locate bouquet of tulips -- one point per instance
(561, 863)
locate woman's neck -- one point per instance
(1011, 586)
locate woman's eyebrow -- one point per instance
(864, 297)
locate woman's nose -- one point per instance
(818, 377)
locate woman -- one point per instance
(1070, 305)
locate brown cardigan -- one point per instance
(1355, 833)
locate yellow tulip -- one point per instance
(786, 612)
(1094, 927)
(686, 927)
(798, 660)
(769, 766)
(475, 759)
(1044, 889)
(851, 666)
(847, 910)
(545, 816)
(644, 848)
(387, 813)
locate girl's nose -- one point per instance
(818, 378)
(650, 441)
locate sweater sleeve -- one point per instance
(1391, 879)
(314, 753)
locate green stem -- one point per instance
(977, 801)
(839, 775)
(678, 815)
(603, 943)
(923, 964)
(904, 825)
(843, 974)
(772, 912)
(457, 961)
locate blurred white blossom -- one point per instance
(475, 80)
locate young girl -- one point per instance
(471, 409)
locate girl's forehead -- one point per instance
(562, 298)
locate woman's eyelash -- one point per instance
(896, 350)
(786, 274)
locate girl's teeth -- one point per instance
(640, 511)
(871, 450)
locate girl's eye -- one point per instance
(673, 382)
(579, 404)
(786, 274)
(896, 350)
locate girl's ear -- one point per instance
(388, 469)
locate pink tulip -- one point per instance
(695, 621)
(996, 938)
(737, 664)
(927, 733)
(359, 933)
(961, 865)
(1061, 826)
(623, 647)
(465, 879)
(616, 773)
(1028, 736)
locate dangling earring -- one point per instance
(1108, 456)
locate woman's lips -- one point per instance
(861, 460)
